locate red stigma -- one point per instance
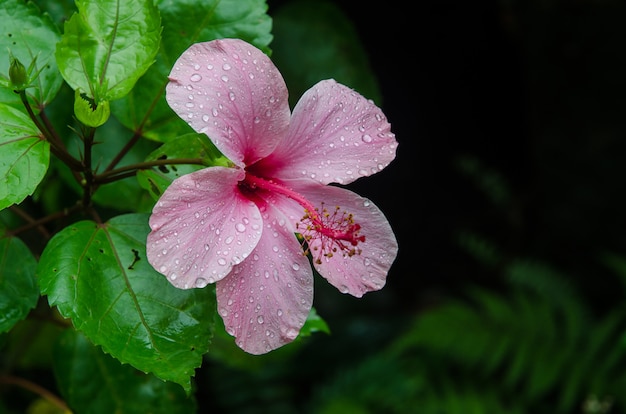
(336, 231)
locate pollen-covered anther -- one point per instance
(327, 232)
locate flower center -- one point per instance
(333, 230)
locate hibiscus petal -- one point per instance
(266, 299)
(231, 91)
(362, 272)
(201, 227)
(336, 135)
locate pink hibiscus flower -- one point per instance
(252, 228)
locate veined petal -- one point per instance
(231, 91)
(266, 299)
(201, 227)
(336, 135)
(366, 269)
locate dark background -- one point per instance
(530, 91)
(534, 90)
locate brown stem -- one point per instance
(138, 133)
(36, 223)
(35, 388)
(132, 141)
(56, 145)
(26, 217)
(123, 172)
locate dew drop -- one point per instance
(221, 261)
(163, 269)
(196, 77)
(214, 111)
(205, 118)
(231, 96)
(224, 78)
(259, 319)
(291, 333)
(295, 266)
(201, 282)
(366, 138)
(226, 66)
(229, 240)
(240, 227)
(279, 312)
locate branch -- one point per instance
(36, 223)
(35, 388)
(123, 172)
(57, 146)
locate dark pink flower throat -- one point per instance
(335, 230)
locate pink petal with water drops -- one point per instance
(202, 227)
(231, 91)
(336, 135)
(266, 299)
(363, 272)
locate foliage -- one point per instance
(87, 144)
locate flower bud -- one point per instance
(17, 74)
(89, 112)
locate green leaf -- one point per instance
(318, 36)
(98, 276)
(108, 45)
(24, 156)
(187, 146)
(314, 323)
(93, 382)
(18, 286)
(29, 35)
(187, 22)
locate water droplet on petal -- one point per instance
(259, 319)
(196, 77)
(366, 138)
(221, 261)
(226, 66)
(201, 282)
(240, 227)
